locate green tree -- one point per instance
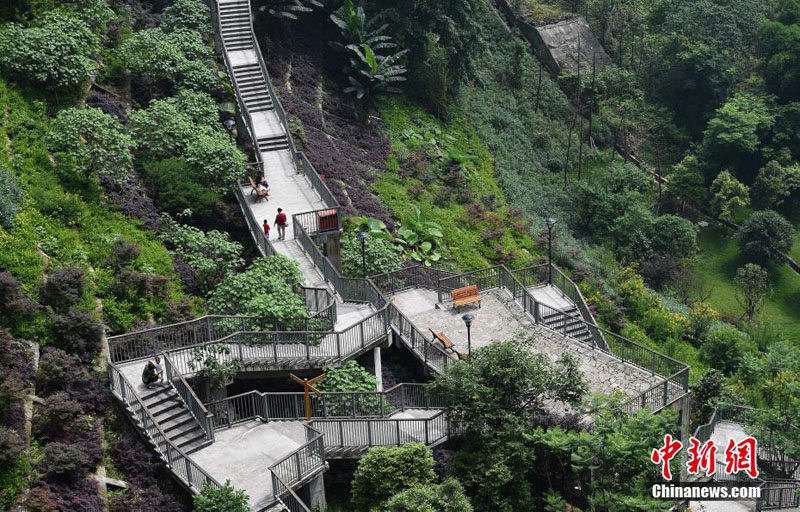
(724, 348)
(187, 14)
(506, 384)
(397, 468)
(173, 192)
(223, 499)
(350, 377)
(212, 255)
(380, 256)
(93, 142)
(611, 463)
(289, 9)
(727, 193)
(765, 237)
(446, 497)
(265, 289)
(739, 124)
(214, 365)
(57, 50)
(775, 184)
(752, 286)
(219, 163)
(779, 44)
(674, 236)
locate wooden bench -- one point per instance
(444, 340)
(464, 296)
(259, 193)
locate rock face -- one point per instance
(560, 41)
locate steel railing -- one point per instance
(193, 404)
(182, 467)
(255, 405)
(302, 462)
(675, 374)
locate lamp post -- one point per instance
(468, 322)
(229, 125)
(362, 236)
(550, 221)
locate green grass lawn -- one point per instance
(718, 260)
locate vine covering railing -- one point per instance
(188, 473)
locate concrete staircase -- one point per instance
(175, 419)
(576, 327)
(234, 20)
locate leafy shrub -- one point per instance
(11, 446)
(662, 324)
(218, 162)
(212, 255)
(659, 271)
(674, 236)
(174, 190)
(224, 499)
(449, 496)
(397, 468)
(56, 370)
(380, 256)
(13, 302)
(724, 348)
(765, 236)
(62, 288)
(775, 184)
(93, 141)
(10, 198)
(67, 208)
(187, 14)
(58, 416)
(264, 289)
(77, 332)
(40, 499)
(57, 51)
(62, 460)
(350, 377)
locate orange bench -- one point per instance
(259, 193)
(464, 296)
(444, 340)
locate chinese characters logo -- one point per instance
(739, 457)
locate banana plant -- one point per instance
(357, 30)
(374, 73)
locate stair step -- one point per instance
(189, 438)
(195, 445)
(158, 411)
(179, 420)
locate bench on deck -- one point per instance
(441, 338)
(259, 193)
(464, 296)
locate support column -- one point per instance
(316, 493)
(376, 354)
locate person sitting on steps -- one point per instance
(153, 372)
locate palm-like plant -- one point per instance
(357, 30)
(373, 74)
(288, 9)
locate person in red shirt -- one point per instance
(280, 221)
(266, 228)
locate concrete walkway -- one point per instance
(245, 452)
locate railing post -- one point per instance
(361, 328)
(369, 432)
(299, 470)
(353, 404)
(308, 348)
(666, 391)
(397, 423)
(188, 469)
(338, 346)
(341, 434)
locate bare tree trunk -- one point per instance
(569, 146)
(539, 86)
(591, 101)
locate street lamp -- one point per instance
(362, 236)
(468, 322)
(550, 221)
(229, 124)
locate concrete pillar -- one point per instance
(316, 493)
(376, 354)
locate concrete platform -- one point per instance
(552, 297)
(499, 318)
(244, 453)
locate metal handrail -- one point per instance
(172, 453)
(195, 406)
